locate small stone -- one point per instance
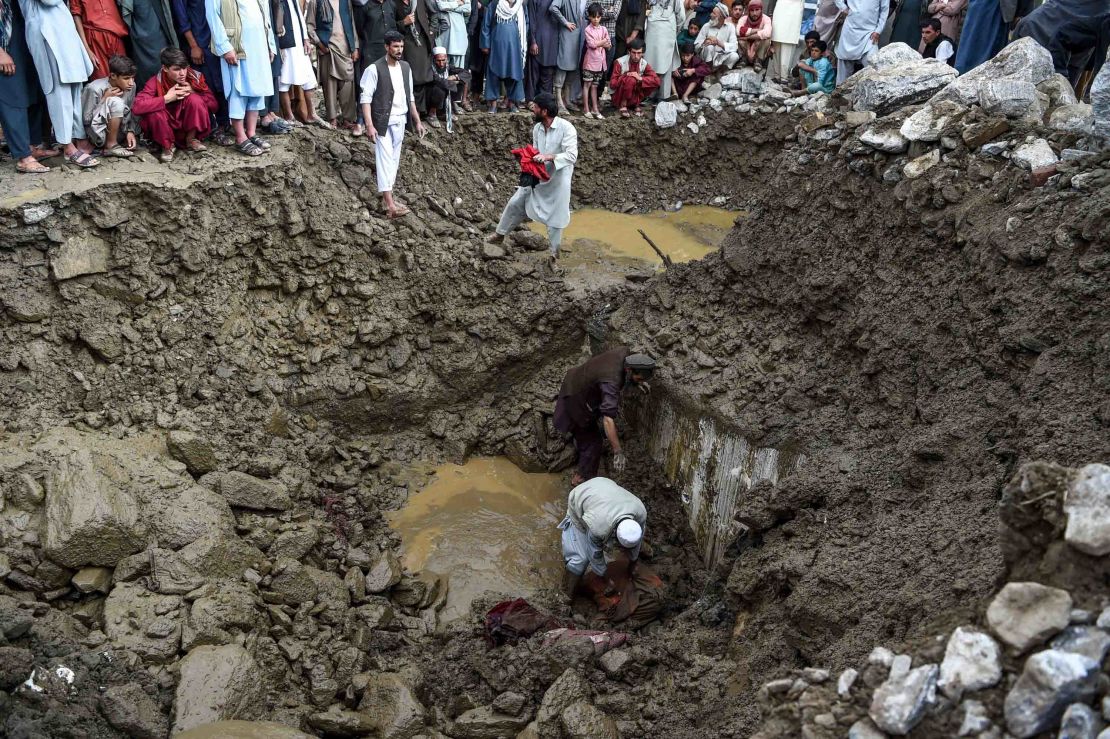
(33, 214)
(922, 164)
(971, 662)
(885, 137)
(385, 573)
(881, 656)
(825, 720)
(1079, 722)
(90, 579)
(1089, 641)
(80, 255)
(1087, 506)
(615, 662)
(845, 682)
(487, 723)
(583, 720)
(1080, 616)
(390, 699)
(337, 720)
(1025, 614)
(492, 251)
(247, 491)
(975, 720)
(901, 665)
(1050, 682)
(1034, 155)
(1071, 118)
(129, 709)
(814, 675)
(900, 702)
(192, 451)
(865, 729)
(509, 703)
(779, 687)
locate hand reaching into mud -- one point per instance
(619, 463)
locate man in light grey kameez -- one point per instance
(63, 65)
(859, 36)
(664, 19)
(571, 16)
(547, 202)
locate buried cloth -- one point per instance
(633, 601)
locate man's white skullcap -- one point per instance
(723, 8)
(437, 50)
(629, 533)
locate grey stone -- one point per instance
(221, 555)
(1024, 60)
(14, 621)
(894, 55)
(509, 702)
(217, 684)
(922, 164)
(129, 709)
(390, 699)
(1087, 506)
(244, 730)
(486, 723)
(747, 81)
(1079, 722)
(881, 656)
(884, 90)
(900, 702)
(1074, 118)
(178, 517)
(568, 688)
(815, 675)
(1013, 98)
(1025, 614)
(845, 682)
(928, 123)
(583, 720)
(80, 255)
(1050, 682)
(712, 92)
(26, 306)
(492, 251)
(975, 719)
(385, 573)
(885, 136)
(93, 579)
(1059, 90)
(666, 114)
(1071, 155)
(865, 729)
(857, 118)
(216, 619)
(994, 148)
(971, 662)
(146, 623)
(1089, 641)
(615, 662)
(292, 580)
(295, 543)
(16, 664)
(1103, 621)
(377, 614)
(37, 213)
(90, 518)
(1100, 103)
(174, 575)
(247, 491)
(336, 721)
(191, 450)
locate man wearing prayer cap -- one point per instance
(591, 392)
(717, 43)
(600, 515)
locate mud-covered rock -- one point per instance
(146, 623)
(385, 573)
(337, 721)
(217, 684)
(178, 517)
(1050, 682)
(247, 491)
(1088, 510)
(193, 451)
(568, 688)
(15, 665)
(221, 555)
(1025, 614)
(485, 722)
(900, 702)
(583, 720)
(216, 619)
(93, 579)
(390, 699)
(292, 581)
(131, 710)
(80, 255)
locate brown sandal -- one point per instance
(195, 145)
(36, 168)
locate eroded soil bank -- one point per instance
(263, 354)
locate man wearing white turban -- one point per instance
(600, 515)
(717, 43)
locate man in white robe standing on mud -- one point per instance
(859, 37)
(547, 202)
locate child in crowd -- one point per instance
(689, 34)
(175, 106)
(819, 75)
(690, 74)
(593, 63)
(106, 109)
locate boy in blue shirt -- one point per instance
(819, 75)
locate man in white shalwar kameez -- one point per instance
(859, 37)
(547, 202)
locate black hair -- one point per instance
(173, 57)
(121, 66)
(392, 37)
(932, 23)
(636, 45)
(547, 103)
(686, 48)
(693, 22)
(813, 36)
(821, 46)
(594, 9)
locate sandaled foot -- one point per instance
(260, 142)
(322, 124)
(223, 138)
(166, 155)
(195, 145)
(358, 131)
(39, 152)
(625, 113)
(248, 147)
(120, 152)
(82, 160)
(35, 167)
(399, 212)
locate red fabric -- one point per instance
(102, 15)
(103, 45)
(512, 620)
(701, 71)
(527, 166)
(168, 125)
(629, 92)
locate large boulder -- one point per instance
(1022, 61)
(148, 624)
(221, 555)
(180, 516)
(897, 76)
(217, 684)
(131, 710)
(1075, 118)
(1013, 98)
(931, 121)
(247, 491)
(583, 720)
(91, 516)
(244, 730)
(1100, 103)
(390, 700)
(568, 688)
(1088, 509)
(1051, 681)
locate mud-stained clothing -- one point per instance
(590, 391)
(594, 509)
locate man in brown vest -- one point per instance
(387, 103)
(592, 392)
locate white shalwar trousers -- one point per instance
(516, 210)
(387, 155)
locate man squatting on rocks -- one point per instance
(600, 513)
(387, 101)
(591, 392)
(547, 202)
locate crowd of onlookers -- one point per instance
(95, 79)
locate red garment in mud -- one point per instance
(511, 620)
(527, 166)
(635, 600)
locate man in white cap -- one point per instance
(717, 43)
(600, 514)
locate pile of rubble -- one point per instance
(1034, 663)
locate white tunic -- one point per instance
(787, 25)
(549, 202)
(866, 17)
(661, 35)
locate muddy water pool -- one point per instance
(686, 234)
(485, 526)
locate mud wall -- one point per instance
(711, 464)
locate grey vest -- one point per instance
(382, 101)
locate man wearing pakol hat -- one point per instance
(600, 514)
(591, 393)
(717, 43)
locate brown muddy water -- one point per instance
(485, 526)
(684, 235)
